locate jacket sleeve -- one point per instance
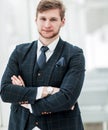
(69, 90)
(13, 93)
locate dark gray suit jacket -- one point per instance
(65, 70)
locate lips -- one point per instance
(47, 30)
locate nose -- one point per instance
(47, 24)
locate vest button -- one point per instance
(39, 74)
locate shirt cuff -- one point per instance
(39, 93)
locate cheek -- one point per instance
(57, 27)
(39, 23)
(39, 26)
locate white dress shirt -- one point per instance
(49, 53)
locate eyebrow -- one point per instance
(49, 18)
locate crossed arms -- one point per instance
(61, 100)
(19, 81)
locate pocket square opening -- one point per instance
(61, 62)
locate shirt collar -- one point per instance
(51, 46)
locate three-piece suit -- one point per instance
(65, 69)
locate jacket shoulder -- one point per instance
(25, 46)
(22, 50)
(72, 48)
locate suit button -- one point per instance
(39, 74)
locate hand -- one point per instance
(56, 90)
(17, 80)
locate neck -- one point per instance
(46, 41)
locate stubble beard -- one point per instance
(50, 37)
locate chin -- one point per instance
(49, 37)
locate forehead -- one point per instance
(50, 13)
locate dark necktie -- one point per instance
(42, 58)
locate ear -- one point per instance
(63, 22)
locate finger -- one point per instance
(16, 81)
(14, 78)
(20, 78)
(13, 82)
(56, 90)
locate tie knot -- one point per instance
(44, 48)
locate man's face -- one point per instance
(49, 23)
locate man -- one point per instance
(44, 95)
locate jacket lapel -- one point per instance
(50, 65)
(29, 64)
